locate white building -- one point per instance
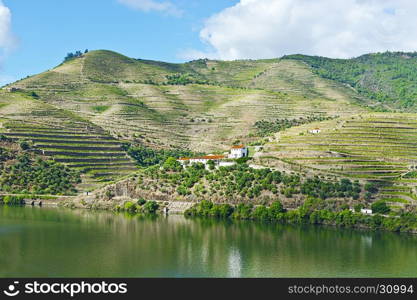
(238, 152)
(315, 130)
(202, 159)
(235, 152)
(366, 211)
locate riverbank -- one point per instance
(33, 200)
(309, 213)
(125, 196)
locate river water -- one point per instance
(53, 242)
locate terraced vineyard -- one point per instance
(80, 111)
(68, 139)
(379, 147)
(131, 98)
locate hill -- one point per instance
(88, 110)
(201, 105)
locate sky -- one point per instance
(35, 35)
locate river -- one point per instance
(54, 242)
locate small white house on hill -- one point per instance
(315, 130)
(238, 151)
(366, 211)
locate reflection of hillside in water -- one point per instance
(59, 242)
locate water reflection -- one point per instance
(59, 242)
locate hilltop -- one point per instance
(91, 111)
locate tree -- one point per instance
(71, 55)
(141, 201)
(211, 164)
(24, 145)
(150, 207)
(358, 207)
(171, 164)
(276, 208)
(261, 213)
(371, 187)
(34, 95)
(380, 207)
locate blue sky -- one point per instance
(47, 29)
(35, 35)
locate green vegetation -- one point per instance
(388, 77)
(183, 79)
(380, 207)
(240, 182)
(13, 200)
(100, 108)
(140, 207)
(74, 55)
(28, 173)
(411, 174)
(313, 211)
(145, 156)
(38, 176)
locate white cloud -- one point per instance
(272, 28)
(7, 40)
(153, 5)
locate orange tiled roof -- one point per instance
(238, 147)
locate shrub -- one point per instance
(13, 200)
(261, 213)
(171, 164)
(150, 207)
(141, 201)
(24, 145)
(129, 207)
(276, 208)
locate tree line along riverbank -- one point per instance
(311, 212)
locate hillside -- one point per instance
(66, 137)
(389, 78)
(85, 111)
(202, 105)
(377, 147)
